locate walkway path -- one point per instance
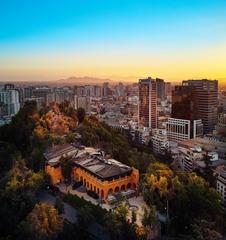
(70, 214)
(137, 202)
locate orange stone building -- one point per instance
(103, 176)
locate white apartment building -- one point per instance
(178, 129)
(9, 100)
(181, 129)
(191, 152)
(220, 128)
(141, 135)
(159, 141)
(221, 182)
(82, 102)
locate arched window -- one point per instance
(123, 188)
(102, 194)
(110, 191)
(116, 189)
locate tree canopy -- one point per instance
(45, 222)
(190, 197)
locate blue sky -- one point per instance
(48, 39)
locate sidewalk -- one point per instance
(135, 203)
(65, 189)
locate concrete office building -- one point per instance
(160, 85)
(82, 102)
(41, 92)
(168, 89)
(159, 139)
(105, 89)
(220, 174)
(184, 123)
(206, 92)
(97, 91)
(147, 106)
(182, 129)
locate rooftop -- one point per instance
(89, 159)
(95, 163)
(221, 170)
(58, 151)
(205, 143)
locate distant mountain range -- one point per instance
(95, 80)
(84, 80)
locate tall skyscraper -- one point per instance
(97, 91)
(184, 103)
(168, 89)
(119, 90)
(224, 103)
(147, 107)
(89, 91)
(28, 92)
(82, 102)
(41, 92)
(184, 122)
(206, 92)
(160, 89)
(105, 89)
(10, 86)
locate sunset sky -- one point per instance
(118, 39)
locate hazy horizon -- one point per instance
(86, 80)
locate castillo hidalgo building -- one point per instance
(104, 176)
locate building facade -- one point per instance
(220, 128)
(104, 176)
(160, 143)
(168, 89)
(206, 92)
(41, 92)
(147, 107)
(82, 102)
(160, 85)
(191, 152)
(9, 101)
(184, 103)
(221, 182)
(182, 129)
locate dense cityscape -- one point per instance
(113, 120)
(148, 157)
